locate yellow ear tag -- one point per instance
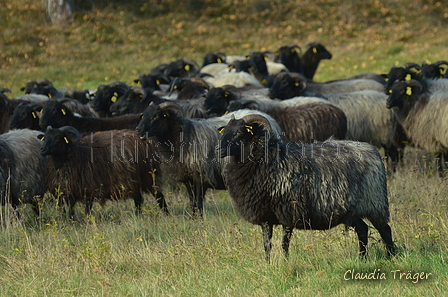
(157, 82)
(408, 77)
(42, 139)
(226, 94)
(113, 99)
(226, 112)
(63, 111)
(165, 115)
(50, 96)
(442, 70)
(264, 81)
(248, 57)
(142, 116)
(277, 54)
(408, 91)
(140, 95)
(187, 67)
(66, 140)
(297, 84)
(265, 58)
(34, 114)
(314, 50)
(42, 110)
(389, 91)
(219, 60)
(231, 67)
(221, 131)
(249, 130)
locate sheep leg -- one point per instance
(287, 233)
(362, 230)
(196, 192)
(138, 200)
(160, 199)
(267, 236)
(386, 234)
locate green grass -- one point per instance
(115, 253)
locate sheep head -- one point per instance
(404, 93)
(287, 85)
(218, 99)
(54, 113)
(157, 120)
(241, 136)
(57, 141)
(435, 70)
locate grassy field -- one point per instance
(115, 253)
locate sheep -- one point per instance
(26, 115)
(134, 101)
(7, 106)
(56, 114)
(414, 71)
(303, 119)
(422, 115)
(105, 165)
(105, 95)
(312, 186)
(214, 57)
(237, 79)
(181, 68)
(435, 70)
(289, 55)
(189, 88)
(314, 53)
(21, 168)
(186, 148)
(152, 81)
(289, 84)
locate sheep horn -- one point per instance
(258, 119)
(69, 130)
(411, 66)
(438, 63)
(200, 82)
(296, 48)
(171, 105)
(233, 89)
(5, 90)
(414, 83)
(173, 84)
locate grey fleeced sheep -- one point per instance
(313, 186)
(22, 169)
(422, 115)
(186, 148)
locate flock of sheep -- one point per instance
(289, 151)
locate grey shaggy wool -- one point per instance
(368, 119)
(24, 167)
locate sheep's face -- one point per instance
(125, 103)
(403, 93)
(217, 101)
(54, 114)
(56, 142)
(400, 74)
(154, 122)
(105, 96)
(286, 86)
(25, 116)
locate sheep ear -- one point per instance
(408, 91)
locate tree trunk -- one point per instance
(59, 11)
